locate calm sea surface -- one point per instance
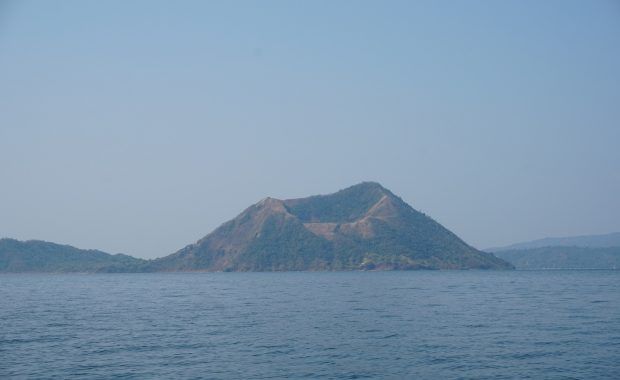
(381, 325)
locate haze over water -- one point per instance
(140, 126)
(383, 325)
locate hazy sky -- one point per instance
(140, 126)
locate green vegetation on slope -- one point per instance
(361, 227)
(586, 241)
(40, 256)
(344, 206)
(563, 258)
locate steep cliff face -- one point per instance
(362, 227)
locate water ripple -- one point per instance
(392, 325)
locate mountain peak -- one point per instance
(344, 206)
(271, 203)
(363, 226)
(370, 185)
(366, 187)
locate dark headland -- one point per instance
(363, 227)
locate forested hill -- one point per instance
(361, 227)
(41, 256)
(586, 241)
(563, 258)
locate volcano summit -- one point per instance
(361, 227)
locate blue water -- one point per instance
(381, 325)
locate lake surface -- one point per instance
(381, 325)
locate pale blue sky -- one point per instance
(140, 126)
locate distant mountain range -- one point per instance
(588, 241)
(578, 252)
(363, 227)
(563, 258)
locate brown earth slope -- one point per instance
(362, 227)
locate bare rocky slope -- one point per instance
(362, 227)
